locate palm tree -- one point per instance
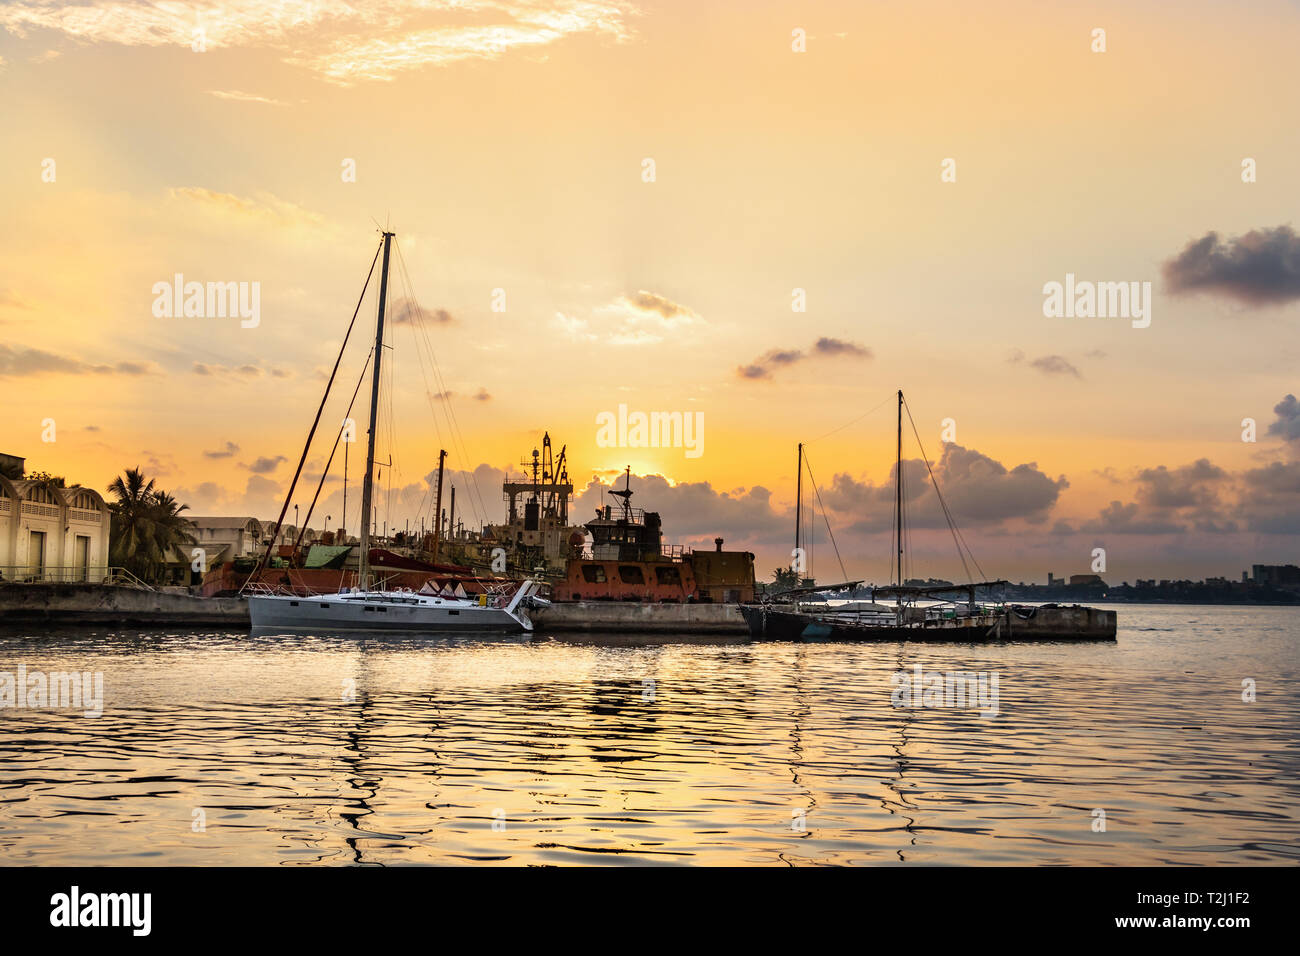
(170, 529)
(146, 525)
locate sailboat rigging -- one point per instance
(905, 620)
(367, 607)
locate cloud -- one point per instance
(241, 97)
(1047, 364)
(1172, 501)
(1119, 518)
(1270, 499)
(262, 209)
(828, 346)
(482, 396)
(694, 511)
(22, 361)
(229, 451)
(408, 310)
(341, 42)
(978, 489)
(244, 371)
(763, 366)
(1193, 485)
(264, 465)
(573, 328)
(1287, 424)
(670, 312)
(1260, 268)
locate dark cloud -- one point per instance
(1047, 364)
(696, 511)
(829, 346)
(763, 366)
(1172, 501)
(27, 361)
(978, 489)
(408, 310)
(1270, 498)
(664, 307)
(230, 450)
(482, 396)
(1191, 486)
(265, 465)
(1287, 425)
(1120, 518)
(1260, 268)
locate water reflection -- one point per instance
(366, 751)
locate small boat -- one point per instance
(503, 607)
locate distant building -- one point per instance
(49, 533)
(1086, 580)
(1276, 575)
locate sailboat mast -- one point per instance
(798, 507)
(898, 489)
(367, 483)
(437, 508)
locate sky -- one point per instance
(768, 216)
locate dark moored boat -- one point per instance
(788, 618)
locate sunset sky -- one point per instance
(505, 144)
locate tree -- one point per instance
(783, 579)
(48, 480)
(146, 525)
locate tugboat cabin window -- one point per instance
(631, 574)
(593, 573)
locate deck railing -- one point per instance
(103, 574)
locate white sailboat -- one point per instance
(403, 612)
(394, 611)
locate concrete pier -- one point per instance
(60, 604)
(632, 617)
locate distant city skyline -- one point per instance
(769, 220)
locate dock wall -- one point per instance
(631, 617)
(58, 604)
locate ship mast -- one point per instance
(798, 512)
(437, 508)
(898, 490)
(368, 484)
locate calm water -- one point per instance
(224, 749)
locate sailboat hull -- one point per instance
(381, 612)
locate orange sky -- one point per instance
(504, 143)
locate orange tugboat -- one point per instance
(629, 562)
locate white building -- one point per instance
(225, 539)
(52, 534)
